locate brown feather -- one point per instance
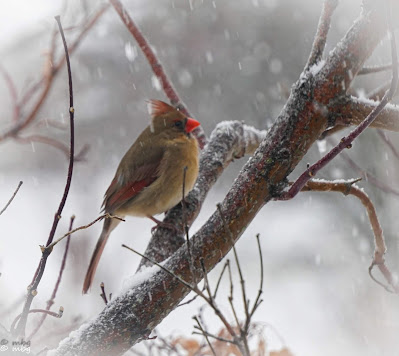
(149, 178)
(109, 225)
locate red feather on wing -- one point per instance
(127, 192)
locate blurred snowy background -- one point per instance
(229, 60)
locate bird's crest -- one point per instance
(157, 107)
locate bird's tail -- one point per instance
(109, 225)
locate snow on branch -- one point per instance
(352, 111)
(228, 141)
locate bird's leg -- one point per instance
(162, 224)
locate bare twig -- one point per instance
(374, 69)
(205, 334)
(242, 281)
(257, 300)
(101, 217)
(13, 93)
(57, 284)
(368, 176)
(389, 143)
(32, 289)
(220, 278)
(44, 311)
(346, 142)
(12, 198)
(322, 32)
(80, 156)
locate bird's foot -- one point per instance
(162, 224)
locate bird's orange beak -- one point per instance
(191, 124)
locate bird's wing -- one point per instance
(127, 188)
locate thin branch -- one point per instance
(32, 289)
(185, 225)
(374, 69)
(260, 291)
(220, 278)
(242, 281)
(205, 334)
(377, 93)
(12, 198)
(322, 31)
(13, 93)
(101, 217)
(389, 143)
(44, 311)
(346, 142)
(367, 176)
(206, 281)
(80, 156)
(57, 284)
(103, 295)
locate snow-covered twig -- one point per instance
(351, 111)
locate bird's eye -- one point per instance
(179, 124)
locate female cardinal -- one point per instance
(149, 179)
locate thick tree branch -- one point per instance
(351, 111)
